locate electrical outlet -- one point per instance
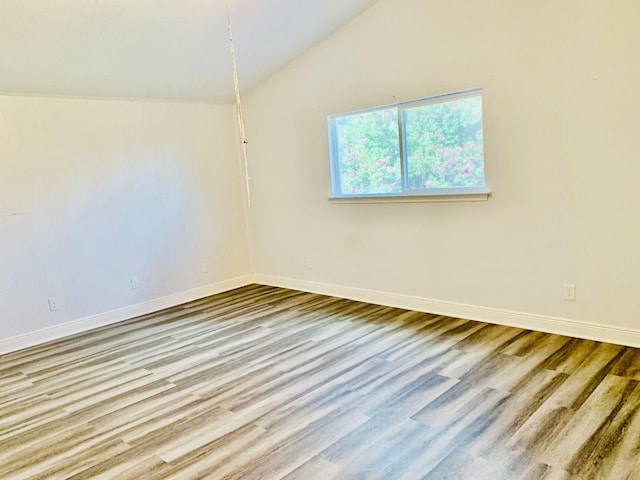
(135, 283)
(569, 292)
(54, 304)
(310, 263)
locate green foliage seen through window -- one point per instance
(442, 144)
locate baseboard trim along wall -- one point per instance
(94, 321)
(529, 321)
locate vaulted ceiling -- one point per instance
(164, 49)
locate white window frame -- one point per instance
(479, 193)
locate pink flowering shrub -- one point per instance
(443, 144)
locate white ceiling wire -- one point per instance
(236, 84)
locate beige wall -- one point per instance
(93, 192)
(562, 126)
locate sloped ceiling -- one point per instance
(157, 49)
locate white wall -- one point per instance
(93, 192)
(562, 127)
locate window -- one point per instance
(432, 146)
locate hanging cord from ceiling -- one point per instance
(236, 84)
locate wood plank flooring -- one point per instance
(269, 383)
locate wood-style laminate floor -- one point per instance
(268, 383)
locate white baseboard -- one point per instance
(87, 323)
(562, 326)
(529, 321)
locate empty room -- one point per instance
(301, 239)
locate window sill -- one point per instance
(450, 197)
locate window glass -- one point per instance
(431, 146)
(443, 144)
(368, 154)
